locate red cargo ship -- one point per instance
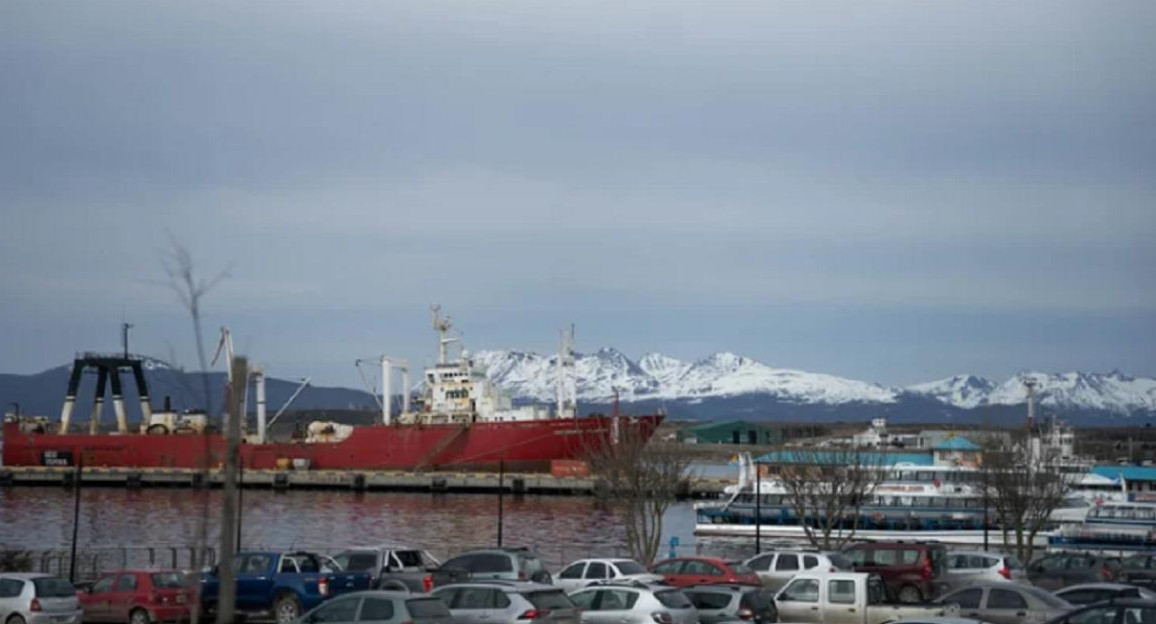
(461, 422)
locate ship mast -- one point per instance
(442, 327)
(566, 388)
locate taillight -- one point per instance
(746, 614)
(35, 606)
(533, 614)
(1005, 572)
(427, 583)
(1106, 572)
(927, 570)
(661, 617)
(522, 575)
(323, 586)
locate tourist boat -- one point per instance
(1111, 525)
(460, 422)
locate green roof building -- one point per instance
(731, 432)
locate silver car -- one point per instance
(778, 567)
(1088, 593)
(1006, 603)
(382, 607)
(969, 567)
(586, 571)
(37, 599)
(498, 602)
(634, 602)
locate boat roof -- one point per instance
(1129, 473)
(956, 443)
(841, 457)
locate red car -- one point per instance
(138, 597)
(687, 571)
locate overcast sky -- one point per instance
(894, 192)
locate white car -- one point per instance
(781, 565)
(37, 599)
(968, 567)
(586, 571)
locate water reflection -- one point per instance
(560, 528)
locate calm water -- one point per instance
(560, 528)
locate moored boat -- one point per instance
(460, 422)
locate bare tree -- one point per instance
(190, 290)
(1024, 486)
(827, 489)
(641, 480)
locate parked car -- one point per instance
(381, 607)
(285, 584)
(585, 571)
(138, 597)
(847, 598)
(27, 598)
(484, 602)
(776, 568)
(730, 603)
(1139, 569)
(634, 602)
(941, 620)
(967, 567)
(1122, 611)
(1006, 603)
(507, 564)
(687, 571)
(1097, 592)
(391, 567)
(1056, 570)
(911, 572)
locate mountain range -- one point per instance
(723, 385)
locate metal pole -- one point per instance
(240, 495)
(985, 511)
(758, 509)
(501, 496)
(75, 516)
(228, 587)
(125, 327)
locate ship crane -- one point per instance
(225, 345)
(385, 402)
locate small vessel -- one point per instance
(461, 421)
(1112, 525)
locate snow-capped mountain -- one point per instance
(965, 391)
(655, 376)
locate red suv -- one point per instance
(687, 571)
(138, 597)
(911, 572)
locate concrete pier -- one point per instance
(356, 480)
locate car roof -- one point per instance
(516, 586)
(383, 547)
(1097, 586)
(696, 558)
(382, 593)
(731, 588)
(985, 553)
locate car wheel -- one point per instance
(15, 619)
(138, 616)
(287, 608)
(910, 594)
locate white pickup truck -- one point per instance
(847, 598)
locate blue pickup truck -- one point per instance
(283, 584)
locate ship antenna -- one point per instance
(442, 327)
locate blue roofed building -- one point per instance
(957, 451)
(1139, 481)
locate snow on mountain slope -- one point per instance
(1112, 391)
(531, 376)
(966, 391)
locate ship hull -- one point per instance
(525, 446)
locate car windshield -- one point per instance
(410, 558)
(427, 607)
(673, 599)
(741, 568)
(630, 567)
(169, 580)
(50, 587)
(1051, 601)
(555, 599)
(839, 561)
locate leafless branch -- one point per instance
(826, 490)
